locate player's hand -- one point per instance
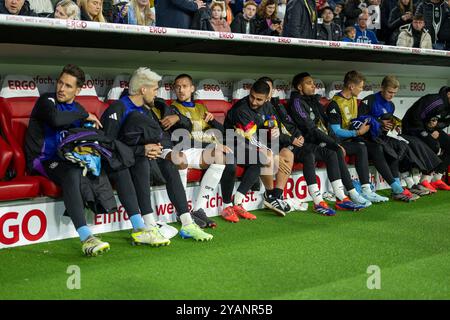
(435, 134)
(275, 132)
(168, 121)
(153, 150)
(364, 128)
(298, 142)
(209, 117)
(387, 125)
(223, 148)
(93, 118)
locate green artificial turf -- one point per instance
(301, 256)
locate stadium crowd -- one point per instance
(410, 23)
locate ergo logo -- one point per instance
(225, 35)
(89, 84)
(158, 30)
(211, 87)
(21, 85)
(17, 229)
(76, 24)
(417, 86)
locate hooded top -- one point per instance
(427, 107)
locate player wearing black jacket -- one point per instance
(318, 146)
(52, 114)
(143, 87)
(258, 137)
(426, 119)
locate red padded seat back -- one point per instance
(120, 83)
(209, 93)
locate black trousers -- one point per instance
(133, 187)
(359, 150)
(174, 186)
(443, 143)
(309, 154)
(67, 175)
(389, 170)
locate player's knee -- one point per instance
(180, 160)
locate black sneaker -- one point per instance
(256, 186)
(198, 221)
(278, 205)
(201, 214)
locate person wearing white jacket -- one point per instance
(414, 35)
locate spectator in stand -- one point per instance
(339, 15)
(43, 8)
(363, 35)
(401, 15)
(16, 7)
(414, 35)
(386, 7)
(435, 12)
(211, 18)
(300, 20)
(108, 9)
(444, 32)
(139, 13)
(120, 11)
(374, 22)
(67, 9)
(328, 30)
(238, 5)
(267, 20)
(349, 34)
(352, 10)
(245, 22)
(91, 10)
(218, 23)
(281, 10)
(176, 13)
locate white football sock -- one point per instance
(315, 193)
(437, 176)
(186, 219)
(149, 220)
(338, 189)
(408, 179)
(239, 198)
(366, 188)
(416, 176)
(425, 177)
(353, 193)
(208, 185)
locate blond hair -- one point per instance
(142, 77)
(99, 17)
(390, 81)
(71, 9)
(141, 20)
